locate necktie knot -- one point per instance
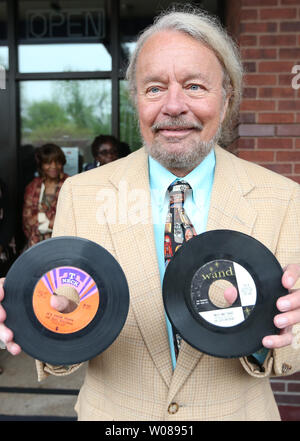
(179, 186)
(178, 191)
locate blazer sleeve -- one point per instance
(64, 225)
(286, 360)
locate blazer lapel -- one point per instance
(228, 210)
(135, 249)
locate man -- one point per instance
(185, 77)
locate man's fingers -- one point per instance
(2, 314)
(277, 341)
(62, 304)
(6, 336)
(13, 348)
(289, 302)
(230, 294)
(291, 275)
(1, 289)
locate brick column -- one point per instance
(269, 38)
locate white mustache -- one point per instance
(176, 123)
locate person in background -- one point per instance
(124, 149)
(105, 149)
(41, 194)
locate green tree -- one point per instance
(129, 127)
(44, 113)
(87, 104)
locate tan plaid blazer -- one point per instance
(133, 378)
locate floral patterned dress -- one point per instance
(33, 206)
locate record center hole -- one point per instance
(72, 294)
(216, 293)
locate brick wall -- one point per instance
(287, 390)
(287, 394)
(268, 32)
(269, 38)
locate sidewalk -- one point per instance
(22, 397)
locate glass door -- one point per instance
(65, 67)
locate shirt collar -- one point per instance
(199, 179)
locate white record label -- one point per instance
(229, 271)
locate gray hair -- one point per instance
(206, 29)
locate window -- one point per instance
(58, 40)
(3, 36)
(69, 113)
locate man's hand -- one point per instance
(289, 306)
(230, 295)
(6, 334)
(58, 302)
(62, 304)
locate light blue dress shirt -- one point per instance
(196, 207)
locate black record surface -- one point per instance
(41, 342)
(186, 312)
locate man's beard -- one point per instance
(181, 159)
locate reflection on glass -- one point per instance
(4, 57)
(63, 58)
(68, 113)
(125, 54)
(129, 128)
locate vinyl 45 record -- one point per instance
(66, 265)
(197, 276)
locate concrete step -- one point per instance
(23, 397)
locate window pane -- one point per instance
(67, 113)
(4, 57)
(129, 129)
(63, 36)
(63, 57)
(3, 38)
(136, 15)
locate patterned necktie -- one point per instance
(178, 229)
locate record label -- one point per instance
(60, 280)
(238, 276)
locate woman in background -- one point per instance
(105, 149)
(41, 194)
